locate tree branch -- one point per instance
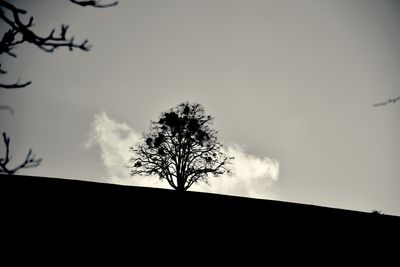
(387, 102)
(6, 107)
(93, 3)
(2, 71)
(20, 32)
(29, 161)
(15, 85)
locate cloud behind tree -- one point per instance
(252, 176)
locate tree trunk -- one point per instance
(180, 184)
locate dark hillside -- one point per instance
(37, 205)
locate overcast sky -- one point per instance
(291, 85)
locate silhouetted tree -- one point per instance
(29, 161)
(181, 148)
(377, 212)
(20, 32)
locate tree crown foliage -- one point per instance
(181, 147)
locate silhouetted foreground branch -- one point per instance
(6, 107)
(20, 32)
(29, 161)
(387, 102)
(19, 29)
(94, 3)
(15, 85)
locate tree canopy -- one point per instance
(181, 147)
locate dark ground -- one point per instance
(87, 214)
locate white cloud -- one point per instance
(114, 139)
(252, 176)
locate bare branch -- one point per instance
(8, 42)
(20, 32)
(15, 85)
(387, 102)
(48, 44)
(29, 162)
(12, 8)
(94, 3)
(6, 107)
(2, 71)
(4, 162)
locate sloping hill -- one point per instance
(61, 221)
(36, 203)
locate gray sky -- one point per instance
(291, 82)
